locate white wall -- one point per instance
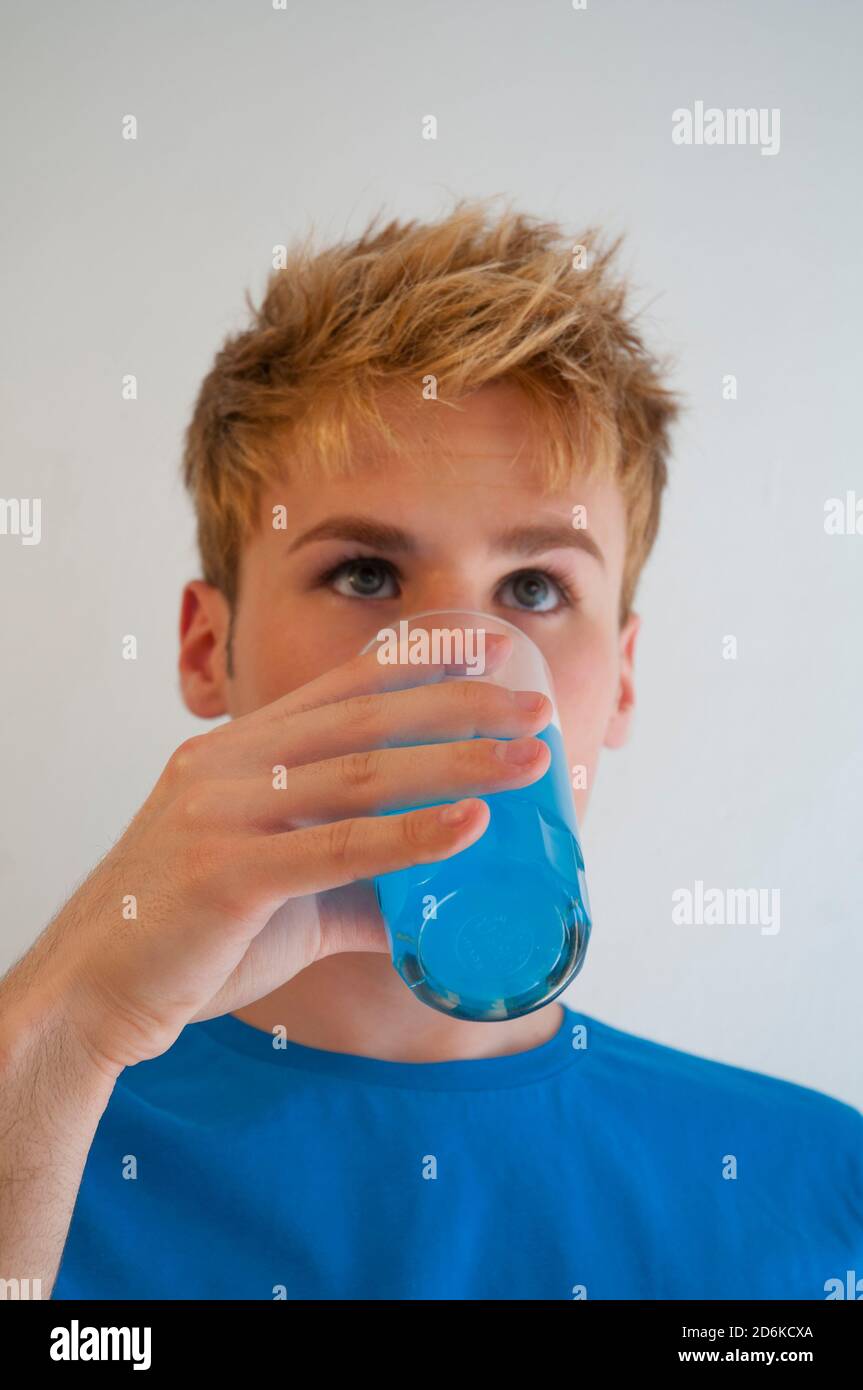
(133, 257)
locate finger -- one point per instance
(453, 711)
(339, 852)
(358, 784)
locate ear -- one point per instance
(617, 730)
(205, 619)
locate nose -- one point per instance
(445, 590)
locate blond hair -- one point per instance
(466, 300)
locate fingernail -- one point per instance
(455, 814)
(530, 700)
(519, 752)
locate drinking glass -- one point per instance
(500, 928)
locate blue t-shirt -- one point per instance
(598, 1165)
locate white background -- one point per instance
(254, 124)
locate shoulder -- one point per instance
(637, 1067)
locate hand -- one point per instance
(218, 856)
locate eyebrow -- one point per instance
(530, 540)
(518, 540)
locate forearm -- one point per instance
(52, 1096)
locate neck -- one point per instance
(355, 1002)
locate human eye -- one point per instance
(360, 577)
(539, 591)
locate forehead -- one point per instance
(469, 469)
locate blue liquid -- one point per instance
(500, 928)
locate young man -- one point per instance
(259, 1106)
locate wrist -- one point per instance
(36, 1028)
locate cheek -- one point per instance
(586, 679)
(273, 656)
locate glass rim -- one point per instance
(481, 613)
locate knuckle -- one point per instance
(483, 756)
(415, 832)
(283, 711)
(483, 699)
(359, 770)
(365, 709)
(190, 807)
(185, 760)
(341, 841)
